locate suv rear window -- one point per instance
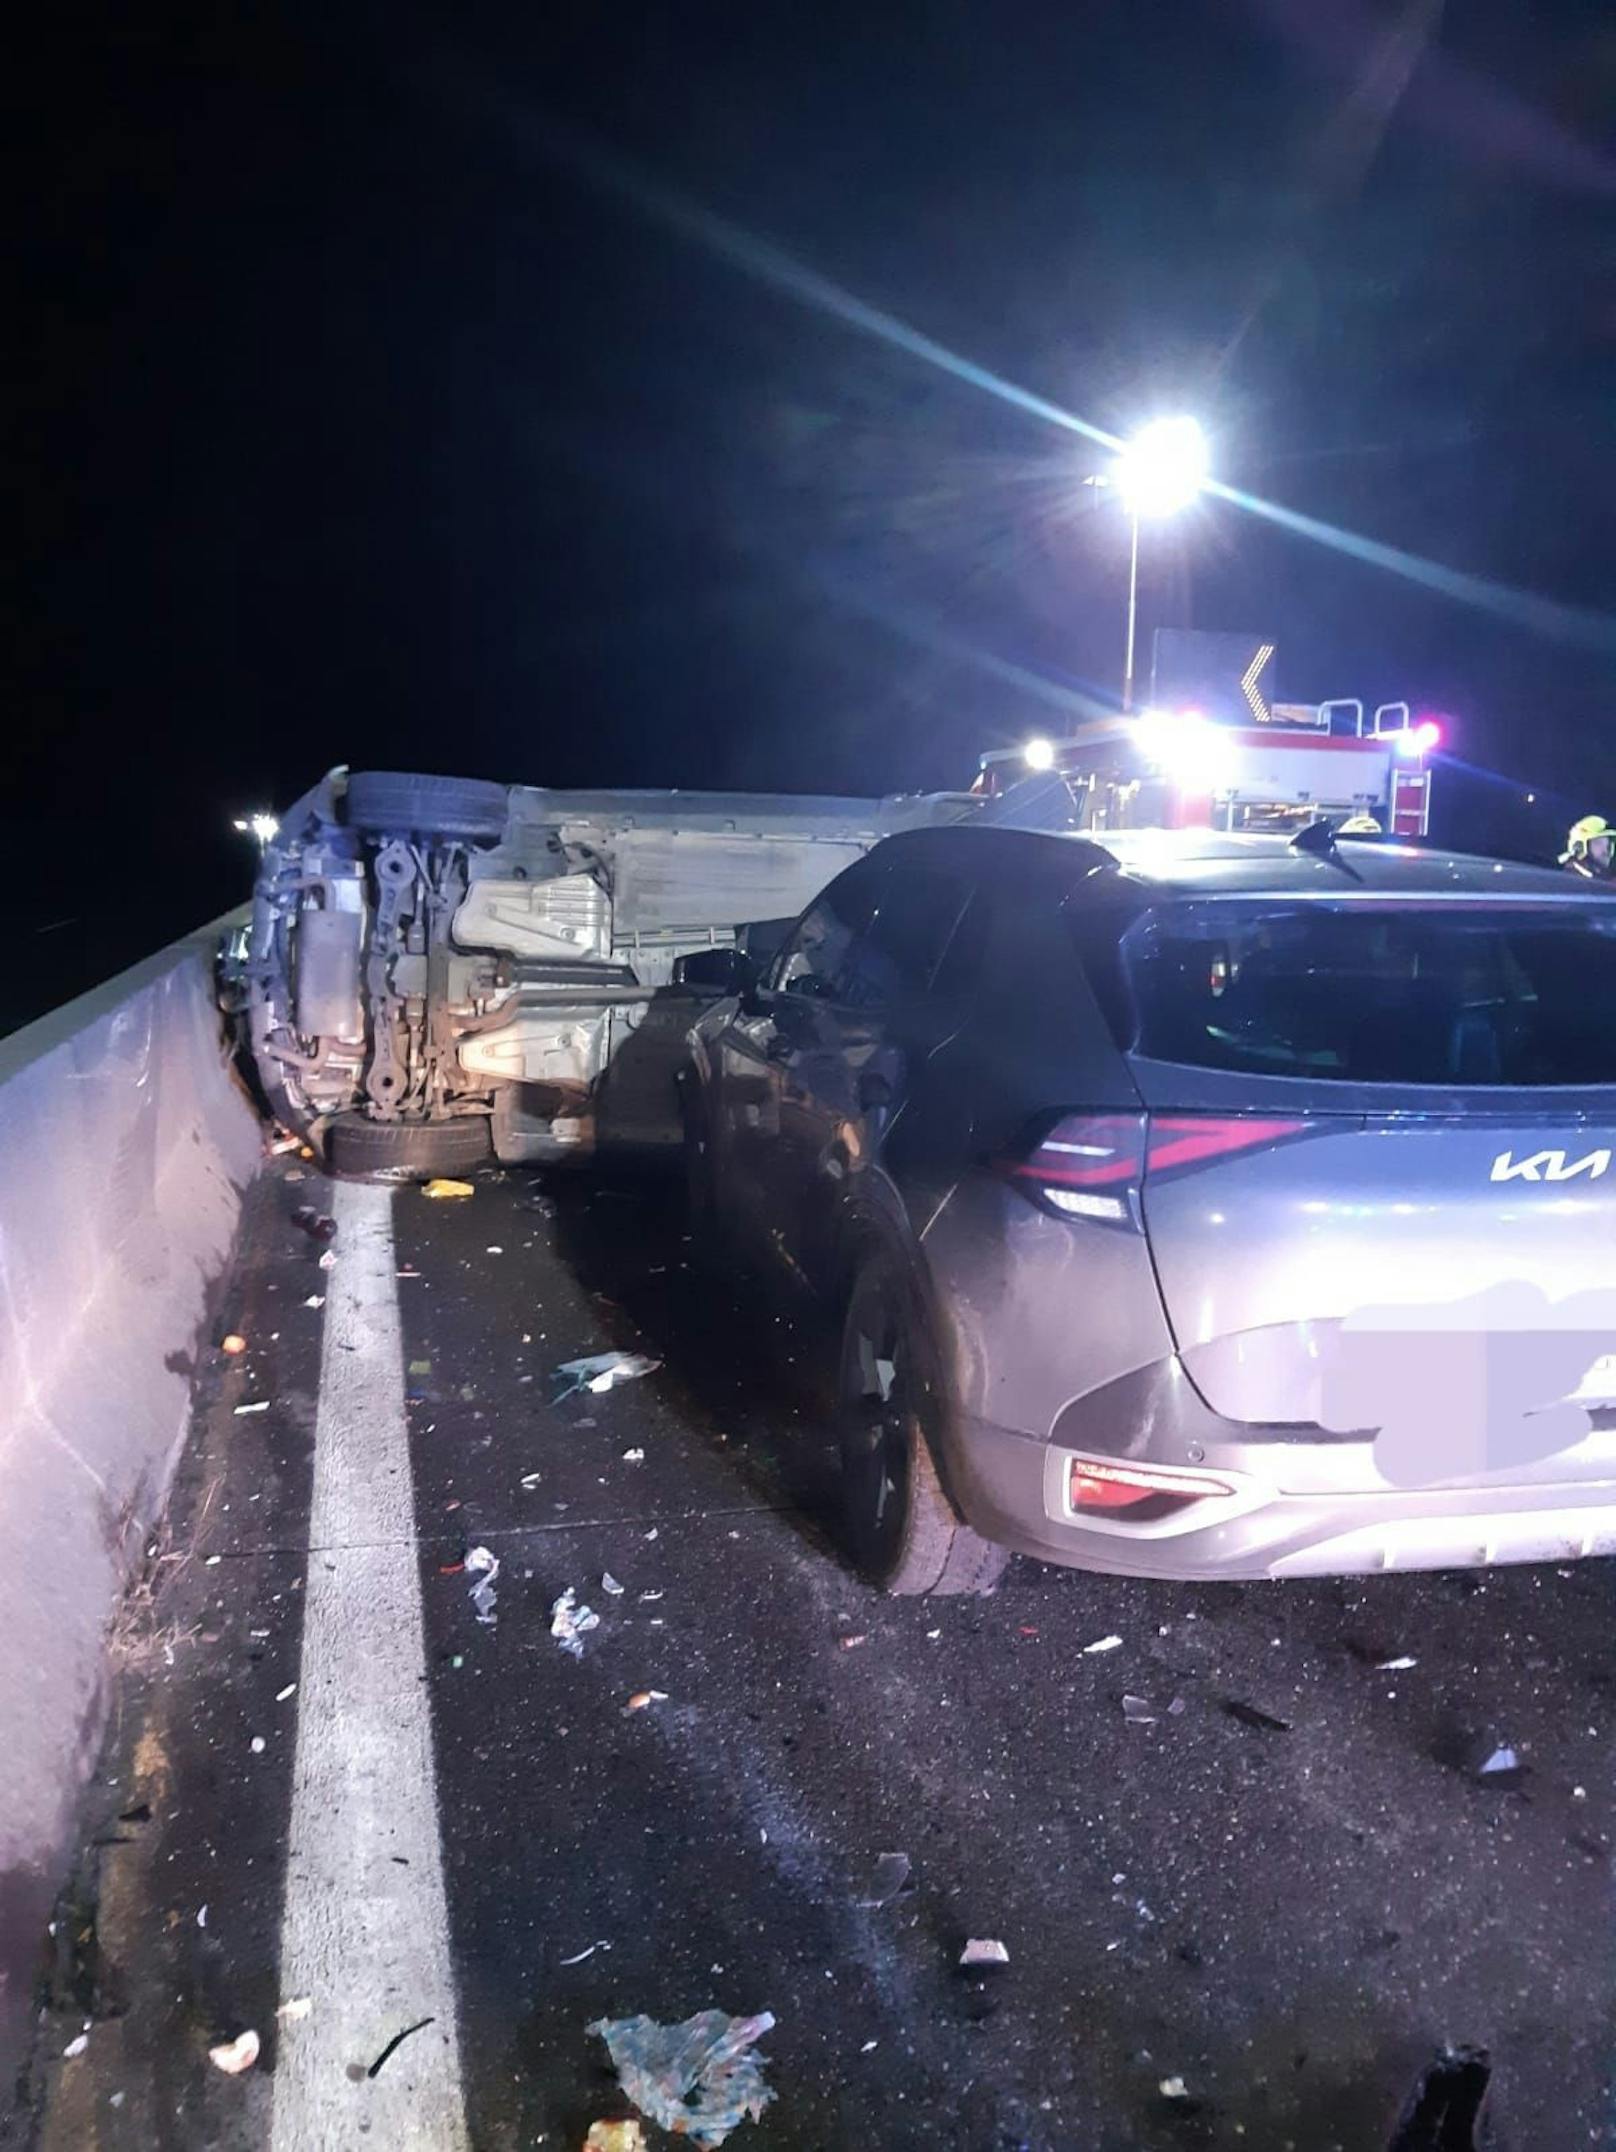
(1448, 994)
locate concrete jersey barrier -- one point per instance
(126, 1141)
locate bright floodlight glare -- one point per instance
(1185, 746)
(1039, 754)
(1416, 740)
(262, 826)
(1163, 468)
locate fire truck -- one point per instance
(1181, 769)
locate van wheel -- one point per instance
(398, 803)
(408, 1150)
(901, 1529)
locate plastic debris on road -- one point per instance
(1248, 1715)
(570, 1623)
(233, 1344)
(602, 1371)
(328, 1261)
(261, 1405)
(484, 1566)
(1446, 2109)
(234, 2056)
(440, 1191)
(634, 1457)
(609, 1585)
(984, 1950)
(1138, 1712)
(615, 2137)
(1173, 2088)
(1501, 1760)
(1395, 1666)
(76, 2046)
(1102, 1643)
(891, 1874)
(645, 1698)
(579, 1956)
(701, 2079)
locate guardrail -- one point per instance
(126, 1141)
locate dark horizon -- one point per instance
(359, 420)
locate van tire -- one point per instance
(408, 1150)
(401, 803)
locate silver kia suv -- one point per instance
(1187, 1205)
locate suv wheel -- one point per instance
(901, 1529)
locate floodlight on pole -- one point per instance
(1161, 471)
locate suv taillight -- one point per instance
(1095, 1165)
(1087, 1165)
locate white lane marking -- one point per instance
(365, 1928)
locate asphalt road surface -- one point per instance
(1250, 1921)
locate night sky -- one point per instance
(382, 398)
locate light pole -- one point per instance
(1160, 471)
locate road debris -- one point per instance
(1395, 1666)
(644, 1698)
(319, 1225)
(283, 1695)
(634, 1457)
(396, 2043)
(495, 1251)
(441, 1191)
(602, 1371)
(202, 1916)
(328, 1261)
(281, 1145)
(1173, 2088)
(609, 1585)
(891, 1875)
(1503, 1762)
(615, 2137)
(315, 1300)
(234, 2056)
(260, 1405)
(1102, 1643)
(76, 2046)
(984, 1950)
(530, 1480)
(294, 2011)
(258, 1744)
(700, 2079)
(578, 1957)
(1138, 1712)
(1249, 1715)
(571, 1623)
(851, 1643)
(484, 1566)
(1445, 2109)
(233, 1344)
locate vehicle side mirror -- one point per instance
(717, 971)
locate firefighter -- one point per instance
(1591, 849)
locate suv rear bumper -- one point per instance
(1303, 1503)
